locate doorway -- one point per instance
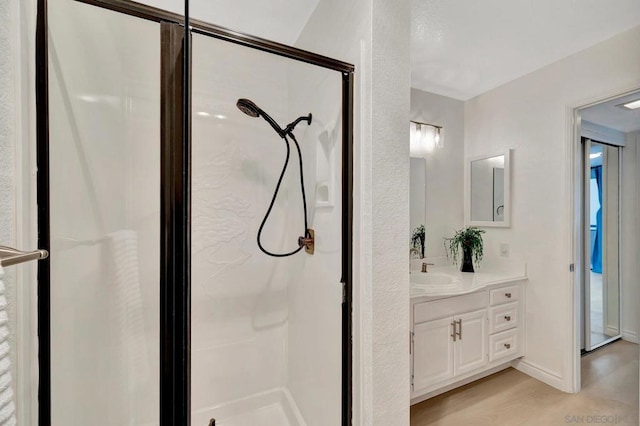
(606, 165)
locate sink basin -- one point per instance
(432, 279)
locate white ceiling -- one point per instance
(462, 48)
(610, 115)
(459, 48)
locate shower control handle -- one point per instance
(309, 242)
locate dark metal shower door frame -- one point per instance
(175, 250)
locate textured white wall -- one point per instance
(445, 167)
(390, 104)
(9, 43)
(533, 115)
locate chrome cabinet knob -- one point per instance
(507, 345)
(508, 295)
(507, 317)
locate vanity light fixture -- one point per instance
(595, 155)
(424, 138)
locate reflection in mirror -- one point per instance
(488, 191)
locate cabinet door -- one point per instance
(433, 353)
(471, 345)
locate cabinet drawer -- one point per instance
(504, 344)
(503, 317)
(504, 294)
(441, 308)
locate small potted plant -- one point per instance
(470, 241)
(417, 240)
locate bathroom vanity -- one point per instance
(464, 326)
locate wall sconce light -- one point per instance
(424, 138)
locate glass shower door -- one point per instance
(266, 331)
(104, 160)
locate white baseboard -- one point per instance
(540, 373)
(612, 331)
(630, 336)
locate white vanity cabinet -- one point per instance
(432, 352)
(455, 339)
(471, 346)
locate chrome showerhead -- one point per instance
(248, 107)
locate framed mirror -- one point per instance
(488, 190)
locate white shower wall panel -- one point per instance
(248, 366)
(239, 296)
(315, 301)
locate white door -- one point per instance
(471, 345)
(433, 353)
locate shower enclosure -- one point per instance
(156, 305)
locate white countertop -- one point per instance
(449, 281)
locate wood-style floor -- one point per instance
(609, 396)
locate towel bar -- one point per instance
(10, 256)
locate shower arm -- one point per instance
(287, 130)
(294, 123)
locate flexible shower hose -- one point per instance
(275, 195)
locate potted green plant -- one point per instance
(417, 240)
(470, 241)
